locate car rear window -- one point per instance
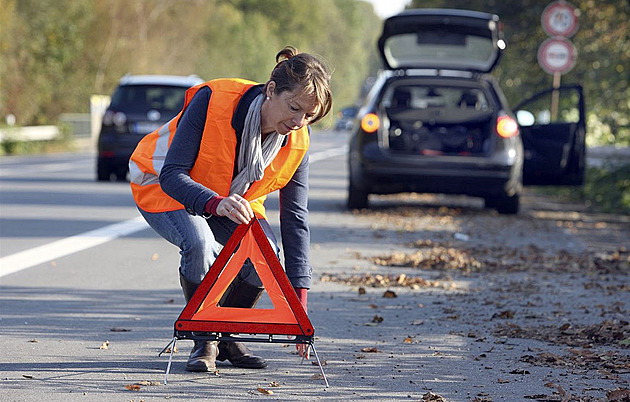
(142, 98)
(440, 49)
(423, 97)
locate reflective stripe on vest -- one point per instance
(214, 165)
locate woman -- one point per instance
(210, 168)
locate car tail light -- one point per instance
(120, 119)
(507, 127)
(114, 118)
(108, 118)
(370, 123)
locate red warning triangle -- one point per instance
(203, 314)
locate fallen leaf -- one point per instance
(148, 383)
(155, 257)
(506, 315)
(503, 381)
(33, 341)
(274, 384)
(362, 290)
(105, 345)
(118, 329)
(371, 349)
(323, 362)
(133, 387)
(389, 294)
(417, 322)
(519, 371)
(431, 397)
(377, 318)
(618, 395)
(265, 391)
(30, 377)
(168, 350)
(408, 340)
(317, 377)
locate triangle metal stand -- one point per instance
(305, 340)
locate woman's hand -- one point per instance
(303, 349)
(236, 208)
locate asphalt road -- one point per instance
(78, 269)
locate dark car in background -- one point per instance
(140, 104)
(345, 118)
(435, 121)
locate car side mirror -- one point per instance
(525, 118)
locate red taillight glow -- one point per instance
(370, 123)
(507, 127)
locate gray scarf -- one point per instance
(253, 157)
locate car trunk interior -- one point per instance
(436, 120)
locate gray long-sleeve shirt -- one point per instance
(175, 180)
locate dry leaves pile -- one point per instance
(431, 256)
(448, 256)
(608, 332)
(380, 281)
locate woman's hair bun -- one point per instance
(286, 53)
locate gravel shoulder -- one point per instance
(488, 307)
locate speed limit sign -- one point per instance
(560, 19)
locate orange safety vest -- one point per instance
(215, 161)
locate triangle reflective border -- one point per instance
(203, 314)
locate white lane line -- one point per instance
(61, 248)
(51, 167)
(329, 153)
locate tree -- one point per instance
(55, 54)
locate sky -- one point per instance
(387, 8)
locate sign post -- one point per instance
(557, 54)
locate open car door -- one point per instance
(555, 150)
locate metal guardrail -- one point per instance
(29, 133)
(80, 124)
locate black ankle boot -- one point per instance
(240, 294)
(204, 353)
(203, 356)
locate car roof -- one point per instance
(175, 80)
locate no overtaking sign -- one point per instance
(557, 55)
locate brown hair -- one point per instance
(304, 73)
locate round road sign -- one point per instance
(557, 55)
(560, 19)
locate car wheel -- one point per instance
(490, 202)
(509, 205)
(357, 198)
(121, 175)
(102, 172)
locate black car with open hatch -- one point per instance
(436, 121)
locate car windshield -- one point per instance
(142, 98)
